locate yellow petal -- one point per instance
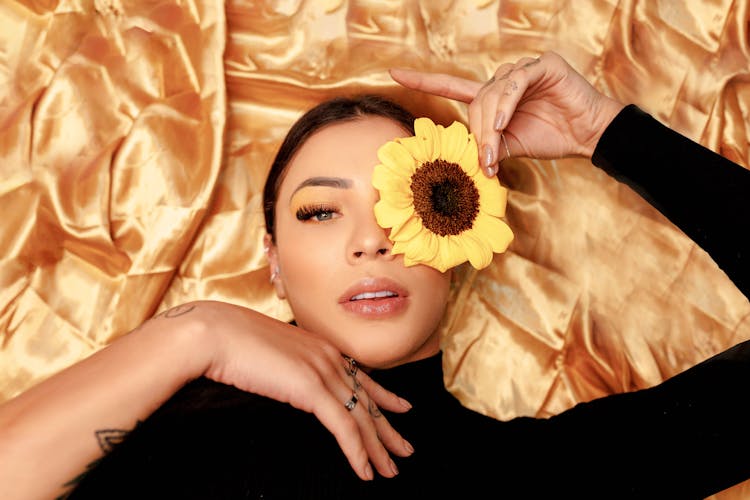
(385, 179)
(415, 148)
(470, 159)
(428, 139)
(493, 231)
(406, 231)
(389, 216)
(451, 252)
(453, 142)
(423, 247)
(397, 158)
(398, 199)
(493, 197)
(477, 252)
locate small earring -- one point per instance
(274, 274)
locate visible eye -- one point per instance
(319, 213)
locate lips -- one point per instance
(375, 298)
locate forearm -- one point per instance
(51, 432)
(688, 434)
(702, 193)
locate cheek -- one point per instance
(304, 264)
(435, 288)
(435, 280)
(308, 263)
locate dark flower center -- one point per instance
(445, 197)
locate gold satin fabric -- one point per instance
(135, 137)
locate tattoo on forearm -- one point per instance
(169, 313)
(176, 311)
(107, 440)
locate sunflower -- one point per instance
(440, 208)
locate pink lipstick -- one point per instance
(375, 298)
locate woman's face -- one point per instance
(335, 265)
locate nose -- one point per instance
(369, 241)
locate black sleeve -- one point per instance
(701, 192)
(688, 436)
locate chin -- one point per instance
(382, 352)
(376, 344)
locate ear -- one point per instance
(273, 266)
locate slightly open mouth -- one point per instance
(374, 295)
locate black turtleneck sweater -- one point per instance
(685, 438)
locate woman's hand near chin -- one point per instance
(542, 106)
(48, 434)
(271, 358)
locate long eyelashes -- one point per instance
(319, 212)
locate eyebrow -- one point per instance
(334, 182)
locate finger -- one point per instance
(367, 415)
(390, 438)
(482, 117)
(440, 84)
(382, 396)
(494, 111)
(370, 393)
(525, 73)
(346, 430)
(328, 388)
(375, 446)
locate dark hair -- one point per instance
(336, 110)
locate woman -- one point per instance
(213, 440)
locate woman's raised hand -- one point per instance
(541, 106)
(265, 356)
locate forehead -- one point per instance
(348, 147)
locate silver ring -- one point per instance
(507, 149)
(352, 402)
(353, 368)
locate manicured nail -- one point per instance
(394, 469)
(487, 157)
(408, 446)
(499, 121)
(404, 403)
(491, 170)
(368, 472)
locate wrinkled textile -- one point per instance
(135, 137)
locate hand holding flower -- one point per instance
(542, 106)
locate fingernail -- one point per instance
(368, 472)
(491, 170)
(486, 156)
(394, 469)
(404, 403)
(408, 446)
(499, 121)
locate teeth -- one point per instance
(374, 295)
